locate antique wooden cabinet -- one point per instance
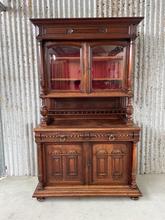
(86, 141)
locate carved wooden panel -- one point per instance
(77, 136)
(111, 163)
(64, 164)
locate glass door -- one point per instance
(107, 67)
(64, 67)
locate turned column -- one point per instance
(129, 107)
(129, 111)
(43, 85)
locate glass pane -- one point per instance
(64, 68)
(107, 67)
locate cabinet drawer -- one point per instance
(86, 32)
(87, 136)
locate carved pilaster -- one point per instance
(41, 68)
(40, 167)
(130, 67)
(134, 166)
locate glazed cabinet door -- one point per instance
(64, 67)
(111, 163)
(64, 164)
(108, 66)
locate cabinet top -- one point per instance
(109, 20)
(87, 28)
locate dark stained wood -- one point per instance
(64, 164)
(86, 139)
(89, 190)
(111, 163)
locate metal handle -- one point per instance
(111, 137)
(69, 31)
(62, 138)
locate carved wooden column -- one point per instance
(129, 111)
(129, 107)
(43, 85)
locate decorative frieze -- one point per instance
(87, 136)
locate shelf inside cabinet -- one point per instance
(96, 79)
(97, 58)
(105, 79)
(64, 79)
(81, 95)
(104, 58)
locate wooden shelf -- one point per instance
(95, 79)
(71, 94)
(65, 79)
(105, 79)
(66, 58)
(101, 58)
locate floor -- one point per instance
(16, 203)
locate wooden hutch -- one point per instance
(86, 141)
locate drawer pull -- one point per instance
(103, 30)
(111, 137)
(69, 31)
(62, 138)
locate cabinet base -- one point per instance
(88, 191)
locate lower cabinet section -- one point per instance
(87, 168)
(88, 163)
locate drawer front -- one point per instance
(87, 136)
(86, 32)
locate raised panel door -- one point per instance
(64, 164)
(108, 66)
(111, 163)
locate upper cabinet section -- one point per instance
(87, 28)
(88, 57)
